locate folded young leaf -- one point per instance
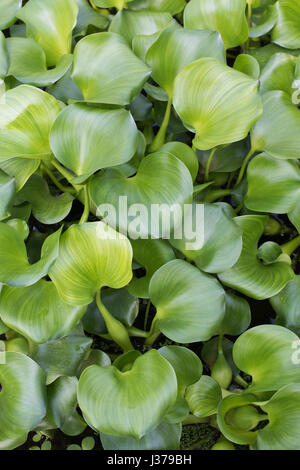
(286, 32)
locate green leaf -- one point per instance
(50, 24)
(279, 73)
(248, 65)
(130, 24)
(26, 117)
(106, 70)
(203, 397)
(165, 437)
(205, 93)
(161, 179)
(7, 194)
(88, 16)
(286, 32)
(226, 159)
(8, 12)
(20, 169)
(80, 131)
(249, 275)
(139, 411)
(215, 253)
(225, 16)
(62, 357)
(27, 63)
(286, 305)
(15, 269)
(46, 208)
(237, 315)
(190, 304)
(263, 21)
(283, 431)
(22, 399)
(176, 48)
(37, 312)
(184, 153)
(111, 3)
(3, 56)
(263, 54)
(273, 184)
(151, 254)
(276, 346)
(88, 443)
(278, 130)
(172, 6)
(120, 303)
(91, 256)
(61, 407)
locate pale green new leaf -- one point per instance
(249, 275)
(176, 48)
(20, 169)
(26, 117)
(225, 16)
(91, 256)
(140, 410)
(81, 138)
(216, 102)
(203, 397)
(279, 73)
(248, 65)
(22, 398)
(8, 12)
(276, 345)
(3, 56)
(286, 32)
(50, 23)
(37, 312)
(278, 130)
(7, 194)
(15, 269)
(27, 63)
(107, 71)
(190, 304)
(184, 153)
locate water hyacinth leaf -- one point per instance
(111, 3)
(263, 54)
(91, 256)
(85, 155)
(176, 48)
(248, 65)
(130, 24)
(22, 399)
(249, 275)
(65, 89)
(37, 312)
(120, 303)
(7, 194)
(3, 56)
(88, 16)
(8, 12)
(273, 184)
(184, 153)
(61, 407)
(161, 181)
(26, 117)
(237, 315)
(20, 169)
(278, 130)
(276, 345)
(226, 159)
(165, 437)
(140, 410)
(190, 304)
(286, 32)
(107, 71)
(279, 73)
(205, 93)
(151, 254)
(62, 357)
(203, 397)
(172, 6)
(283, 430)
(263, 21)
(215, 253)
(94, 357)
(225, 16)
(50, 24)
(27, 63)
(15, 269)
(20, 226)
(286, 305)
(46, 208)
